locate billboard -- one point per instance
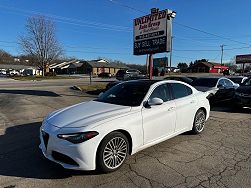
(243, 59)
(152, 33)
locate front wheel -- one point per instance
(112, 152)
(199, 121)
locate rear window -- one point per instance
(205, 82)
(180, 90)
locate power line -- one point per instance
(196, 50)
(73, 20)
(186, 26)
(199, 41)
(2, 41)
(80, 51)
(89, 47)
(212, 34)
(209, 50)
(126, 6)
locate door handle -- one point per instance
(171, 108)
(193, 101)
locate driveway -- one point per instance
(219, 157)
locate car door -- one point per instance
(185, 104)
(159, 120)
(221, 93)
(230, 89)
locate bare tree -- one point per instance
(40, 41)
(5, 57)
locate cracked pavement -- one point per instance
(219, 157)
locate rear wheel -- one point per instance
(199, 122)
(112, 152)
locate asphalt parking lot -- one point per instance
(219, 157)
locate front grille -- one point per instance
(45, 138)
(63, 158)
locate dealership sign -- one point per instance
(243, 59)
(152, 33)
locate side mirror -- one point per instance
(155, 101)
(100, 94)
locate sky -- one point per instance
(88, 29)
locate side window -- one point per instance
(247, 82)
(180, 90)
(228, 83)
(221, 82)
(161, 92)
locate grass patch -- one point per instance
(92, 87)
(39, 78)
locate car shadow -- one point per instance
(20, 155)
(229, 107)
(30, 92)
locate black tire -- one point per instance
(199, 122)
(110, 158)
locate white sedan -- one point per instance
(127, 118)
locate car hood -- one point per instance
(84, 114)
(244, 89)
(212, 90)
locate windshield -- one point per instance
(205, 82)
(126, 94)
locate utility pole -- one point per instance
(171, 53)
(222, 51)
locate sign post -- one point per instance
(152, 34)
(150, 66)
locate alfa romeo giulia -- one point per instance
(127, 118)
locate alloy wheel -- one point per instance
(200, 121)
(115, 152)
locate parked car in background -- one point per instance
(128, 118)
(105, 75)
(3, 72)
(14, 73)
(237, 79)
(179, 78)
(218, 88)
(242, 96)
(129, 74)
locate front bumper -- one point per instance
(71, 156)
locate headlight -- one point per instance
(77, 138)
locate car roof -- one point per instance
(236, 76)
(151, 82)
